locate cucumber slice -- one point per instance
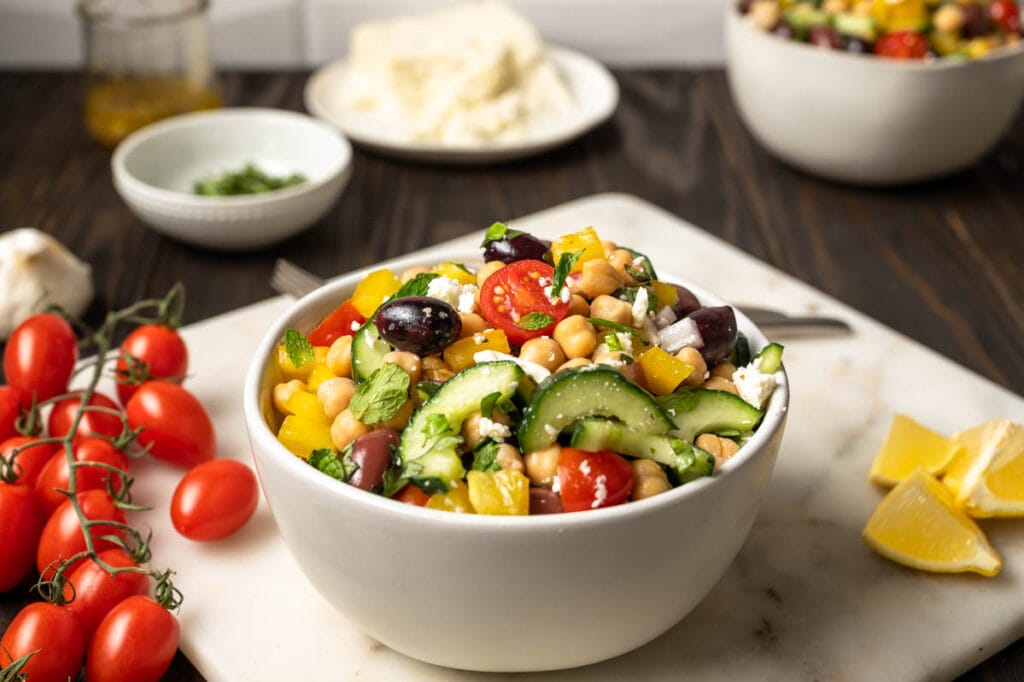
(857, 26)
(368, 351)
(561, 400)
(686, 461)
(699, 410)
(804, 16)
(428, 447)
(769, 359)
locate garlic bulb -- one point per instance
(34, 266)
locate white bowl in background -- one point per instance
(154, 169)
(865, 119)
(504, 593)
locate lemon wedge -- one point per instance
(919, 525)
(987, 477)
(910, 445)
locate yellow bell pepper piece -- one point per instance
(586, 241)
(289, 371)
(306, 405)
(499, 493)
(455, 500)
(459, 355)
(666, 294)
(663, 372)
(455, 271)
(372, 291)
(900, 15)
(303, 436)
(319, 374)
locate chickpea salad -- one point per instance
(557, 377)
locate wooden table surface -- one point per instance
(939, 262)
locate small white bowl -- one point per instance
(154, 170)
(865, 119)
(498, 593)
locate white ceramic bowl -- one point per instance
(155, 167)
(867, 120)
(505, 593)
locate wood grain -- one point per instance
(940, 262)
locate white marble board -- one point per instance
(805, 599)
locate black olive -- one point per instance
(418, 324)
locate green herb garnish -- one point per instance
(417, 286)
(382, 395)
(298, 348)
(485, 456)
(497, 232)
(616, 327)
(329, 462)
(249, 180)
(536, 320)
(562, 269)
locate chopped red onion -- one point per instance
(664, 318)
(679, 335)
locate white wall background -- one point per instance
(301, 33)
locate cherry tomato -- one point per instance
(134, 643)
(29, 462)
(21, 522)
(590, 480)
(39, 357)
(902, 45)
(56, 476)
(515, 291)
(99, 422)
(1006, 14)
(54, 633)
(175, 425)
(96, 592)
(214, 499)
(411, 494)
(62, 535)
(159, 353)
(9, 410)
(343, 321)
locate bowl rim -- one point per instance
(340, 164)
(734, 18)
(261, 436)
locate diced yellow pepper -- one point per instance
(663, 372)
(666, 294)
(455, 271)
(319, 374)
(459, 355)
(455, 500)
(372, 291)
(289, 371)
(303, 436)
(306, 405)
(586, 241)
(979, 47)
(499, 493)
(900, 15)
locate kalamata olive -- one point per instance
(543, 501)
(372, 454)
(824, 36)
(856, 45)
(976, 22)
(744, 6)
(520, 247)
(686, 302)
(418, 324)
(717, 326)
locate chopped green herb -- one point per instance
(535, 321)
(436, 425)
(616, 327)
(497, 232)
(485, 456)
(488, 403)
(249, 180)
(328, 461)
(382, 395)
(392, 482)
(645, 263)
(628, 294)
(417, 286)
(298, 348)
(562, 270)
(611, 339)
(425, 389)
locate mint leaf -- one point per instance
(328, 461)
(562, 269)
(436, 425)
(615, 327)
(488, 403)
(535, 321)
(639, 274)
(646, 265)
(497, 232)
(298, 348)
(485, 456)
(417, 286)
(392, 482)
(380, 397)
(628, 294)
(611, 339)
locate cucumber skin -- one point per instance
(691, 416)
(686, 462)
(366, 356)
(769, 359)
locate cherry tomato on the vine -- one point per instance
(343, 321)
(93, 421)
(590, 480)
(39, 358)
(8, 413)
(214, 499)
(56, 476)
(134, 643)
(159, 352)
(902, 45)
(97, 592)
(518, 290)
(1006, 14)
(62, 535)
(54, 633)
(28, 463)
(21, 522)
(175, 425)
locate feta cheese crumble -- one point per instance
(753, 385)
(460, 296)
(494, 430)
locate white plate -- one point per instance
(592, 86)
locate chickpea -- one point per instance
(541, 466)
(610, 308)
(648, 479)
(508, 458)
(346, 428)
(410, 362)
(435, 369)
(723, 369)
(692, 356)
(620, 259)
(284, 391)
(339, 356)
(719, 448)
(832, 7)
(576, 336)
(948, 19)
(544, 351)
(335, 395)
(575, 363)
(765, 14)
(609, 245)
(579, 306)
(720, 384)
(599, 277)
(412, 272)
(472, 324)
(488, 269)
(401, 418)
(471, 435)
(614, 358)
